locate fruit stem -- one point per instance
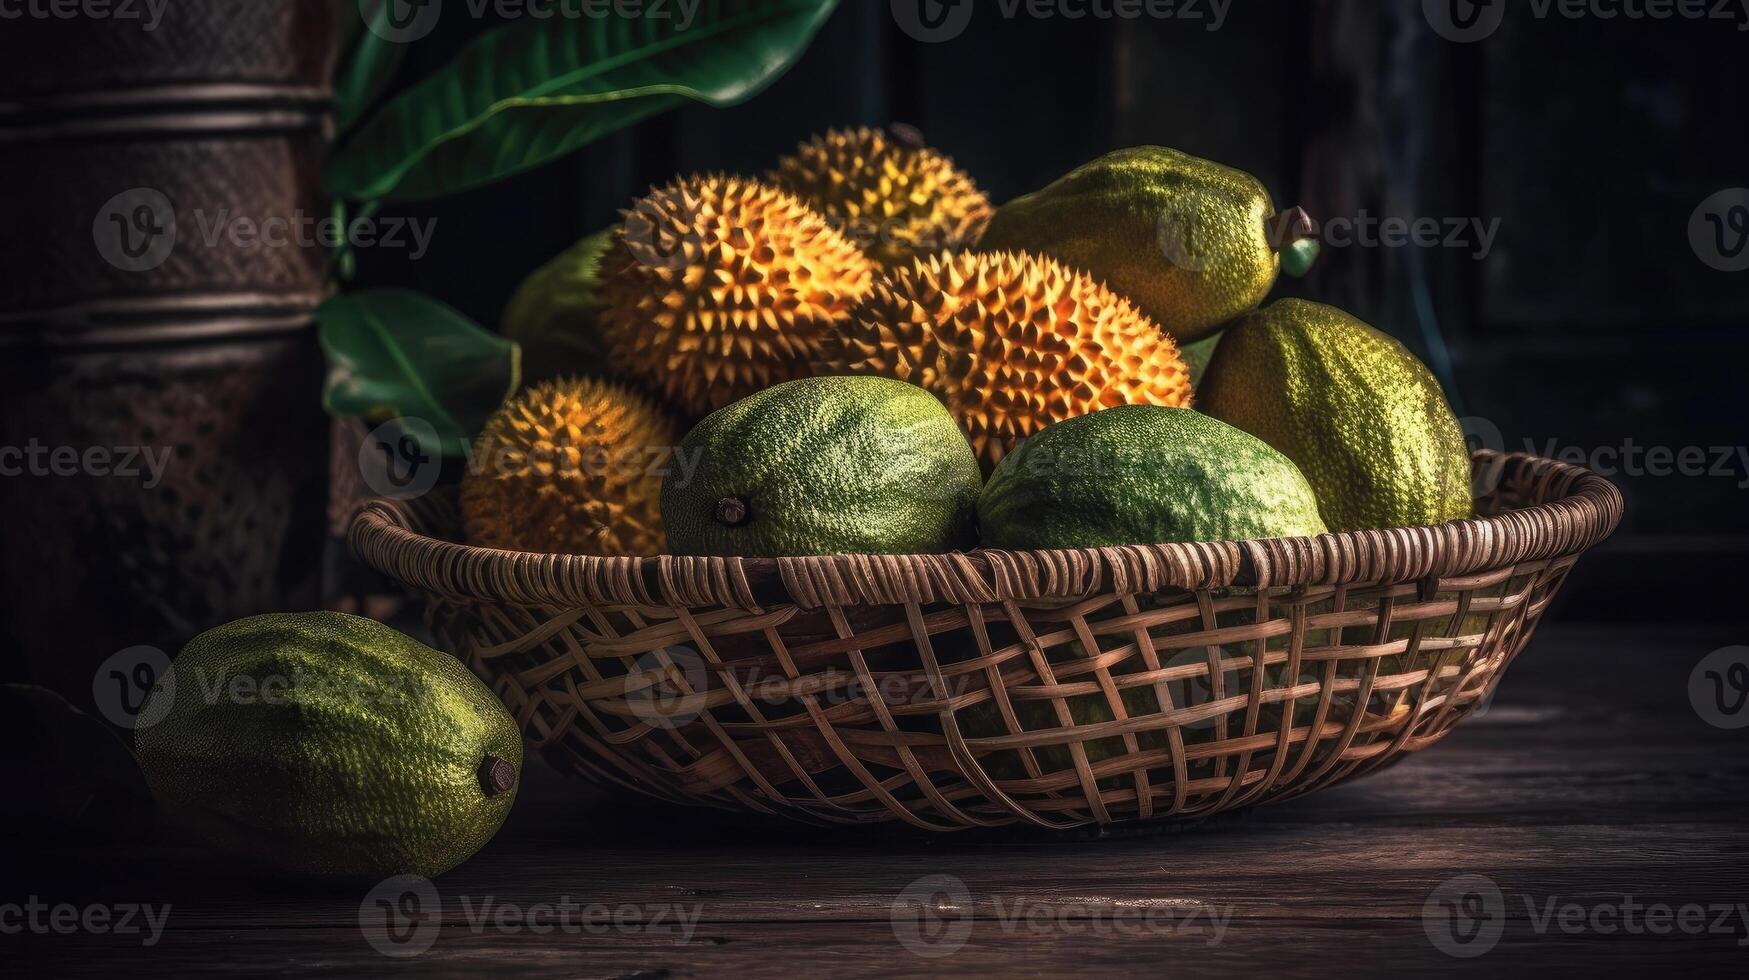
(1293, 234)
(732, 511)
(1288, 227)
(496, 776)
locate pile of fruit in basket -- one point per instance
(865, 356)
(856, 353)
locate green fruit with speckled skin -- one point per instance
(1189, 241)
(553, 313)
(820, 466)
(1366, 422)
(1143, 474)
(329, 745)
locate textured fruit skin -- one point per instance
(1184, 238)
(328, 745)
(824, 466)
(897, 200)
(1010, 343)
(715, 287)
(570, 467)
(553, 312)
(1142, 474)
(1366, 422)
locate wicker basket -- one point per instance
(1053, 688)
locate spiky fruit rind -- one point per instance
(716, 287)
(1185, 238)
(822, 466)
(1011, 343)
(897, 199)
(572, 466)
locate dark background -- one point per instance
(1590, 324)
(1592, 321)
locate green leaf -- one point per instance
(394, 353)
(1196, 356)
(77, 775)
(348, 21)
(537, 89)
(370, 63)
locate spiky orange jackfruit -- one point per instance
(717, 287)
(892, 195)
(572, 466)
(1011, 343)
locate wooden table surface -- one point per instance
(1590, 796)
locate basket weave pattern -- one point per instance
(1052, 688)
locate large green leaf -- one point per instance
(370, 62)
(537, 89)
(77, 776)
(394, 353)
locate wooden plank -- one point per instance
(1588, 782)
(1355, 947)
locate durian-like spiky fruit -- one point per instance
(894, 196)
(1011, 343)
(717, 287)
(571, 466)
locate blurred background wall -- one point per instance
(1560, 159)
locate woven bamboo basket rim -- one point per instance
(1581, 509)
